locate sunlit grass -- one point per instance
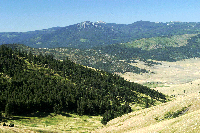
(57, 123)
(154, 84)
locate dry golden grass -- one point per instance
(170, 78)
(168, 73)
(153, 119)
(182, 80)
(14, 130)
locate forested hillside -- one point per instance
(40, 83)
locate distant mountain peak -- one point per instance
(101, 22)
(87, 24)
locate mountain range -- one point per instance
(91, 34)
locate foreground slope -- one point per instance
(31, 84)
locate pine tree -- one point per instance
(8, 109)
(146, 102)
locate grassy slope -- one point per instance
(153, 119)
(160, 42)
(41, 122)
(157, 118)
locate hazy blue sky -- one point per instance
(29, 15)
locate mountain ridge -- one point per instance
(90, 34)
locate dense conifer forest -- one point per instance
(30, 83)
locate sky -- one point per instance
(30, 15)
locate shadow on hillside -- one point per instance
(44, 114)
(17, 118)
(36, 114)
(65, 114)
(5, 119)
(39, 114)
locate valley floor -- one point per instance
(168, 73)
